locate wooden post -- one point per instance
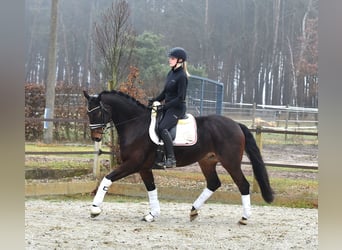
(287, 121)
(258, 138)
(96, 167)
(253, 115)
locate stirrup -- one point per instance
(159, 165)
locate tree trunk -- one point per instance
(87, 65)
(274, 62)
(303, 44)
(51, 79)
(66, 67)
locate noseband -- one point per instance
(103, 111)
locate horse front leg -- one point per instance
(99, 196)
(122, 171)
(152, 192)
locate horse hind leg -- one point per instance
(208, 167)
(154, 206)
(243, 185)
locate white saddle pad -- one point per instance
(186, 132)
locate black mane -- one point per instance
(130, 98)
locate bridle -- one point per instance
(103, 110)
(103, 124)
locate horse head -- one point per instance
(99, 115)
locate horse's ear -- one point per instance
(86, 95)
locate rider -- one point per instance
(173, 95)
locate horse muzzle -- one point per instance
(96, 134)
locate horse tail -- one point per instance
(259, 169)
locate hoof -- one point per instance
(193, 214)
(243, 221)
(148, 218)
(95, 211)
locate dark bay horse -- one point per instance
(219, 139)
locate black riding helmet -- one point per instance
(178, 53)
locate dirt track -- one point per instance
(67, 225)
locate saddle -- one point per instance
(183, 134)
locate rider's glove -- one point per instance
(150, 102)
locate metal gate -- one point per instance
(205, 96)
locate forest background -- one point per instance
(263, 51)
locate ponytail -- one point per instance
(185, 67)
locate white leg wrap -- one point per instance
(154, 203)
(204, 196)
(246, 206)
(101, 191)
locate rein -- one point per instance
(104, 125)
(105, 111)
(129, 120)
(105, 128)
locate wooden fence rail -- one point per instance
(259, 131)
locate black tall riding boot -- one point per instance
(168, 145)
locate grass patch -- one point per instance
(289, 169)
(289, 139)
(58, 161)
(295, 193)
(40, 147)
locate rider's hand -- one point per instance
(150, 102)
(160, 108)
